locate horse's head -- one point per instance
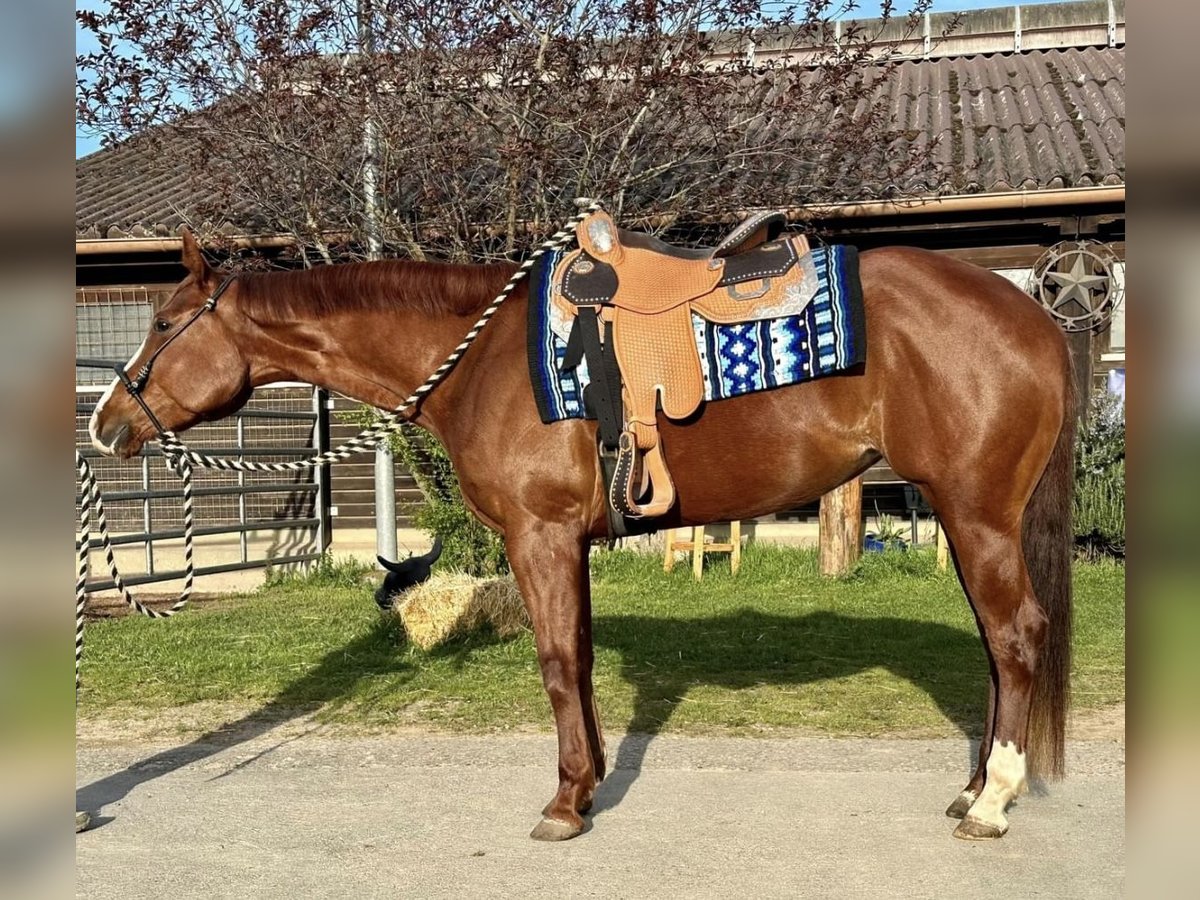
(198, 372)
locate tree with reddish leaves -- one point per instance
(466, 129)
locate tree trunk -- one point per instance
(841, 528)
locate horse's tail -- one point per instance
(1048, 539)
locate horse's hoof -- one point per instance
(972, 829)
(555, 830)
(82, 821)
(961, 805)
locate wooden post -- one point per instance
(943, 546)
(1080, 344)
(669, 550)
(841, 528)
(698, 552)
(735, 538)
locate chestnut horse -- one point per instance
(966, 391)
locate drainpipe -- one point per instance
(962, 203)
(91, 246)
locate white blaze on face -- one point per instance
(94, 421)
(1005, 781)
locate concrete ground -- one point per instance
(291, 811)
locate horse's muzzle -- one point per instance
(112, 439)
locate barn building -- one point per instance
(1026, 105)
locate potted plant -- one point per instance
(888, 534)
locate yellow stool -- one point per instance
(699, 548)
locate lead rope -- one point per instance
(181, 458)
(92, 498)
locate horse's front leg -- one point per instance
(550, 565)
(591, 714)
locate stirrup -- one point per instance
(623, 492)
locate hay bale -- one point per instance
(450, 604)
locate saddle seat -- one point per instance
(632, 297)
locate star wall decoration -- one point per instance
(1074, 281)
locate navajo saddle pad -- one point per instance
(627, 326)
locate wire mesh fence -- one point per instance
(143, 498)
(285, 514)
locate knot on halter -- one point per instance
(173, 450)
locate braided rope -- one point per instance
(92, 499)
(393, 420)
(181, 458)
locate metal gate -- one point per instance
(244, 520)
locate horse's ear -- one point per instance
(193, 257)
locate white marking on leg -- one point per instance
(1005, 781)
(93, 422)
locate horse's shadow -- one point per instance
(333, 679)
(661, 658)
(664, 658)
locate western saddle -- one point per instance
(630, 299)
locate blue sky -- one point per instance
(85, 144)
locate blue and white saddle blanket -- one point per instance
(827, 336)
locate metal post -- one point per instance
(385, 469)
(370, 174)
(912, 502)
(147, 515)
(243, 540)
(324, 497)
(385, 502)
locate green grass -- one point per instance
(890, 650)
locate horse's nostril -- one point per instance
(115, 435)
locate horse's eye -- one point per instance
(161, 325)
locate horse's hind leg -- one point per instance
(962, 803)
(992, 566)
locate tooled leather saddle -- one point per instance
(631, 298)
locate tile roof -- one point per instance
(1039, 120)
(141, 188)
(999, 122)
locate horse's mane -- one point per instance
(431, 288)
